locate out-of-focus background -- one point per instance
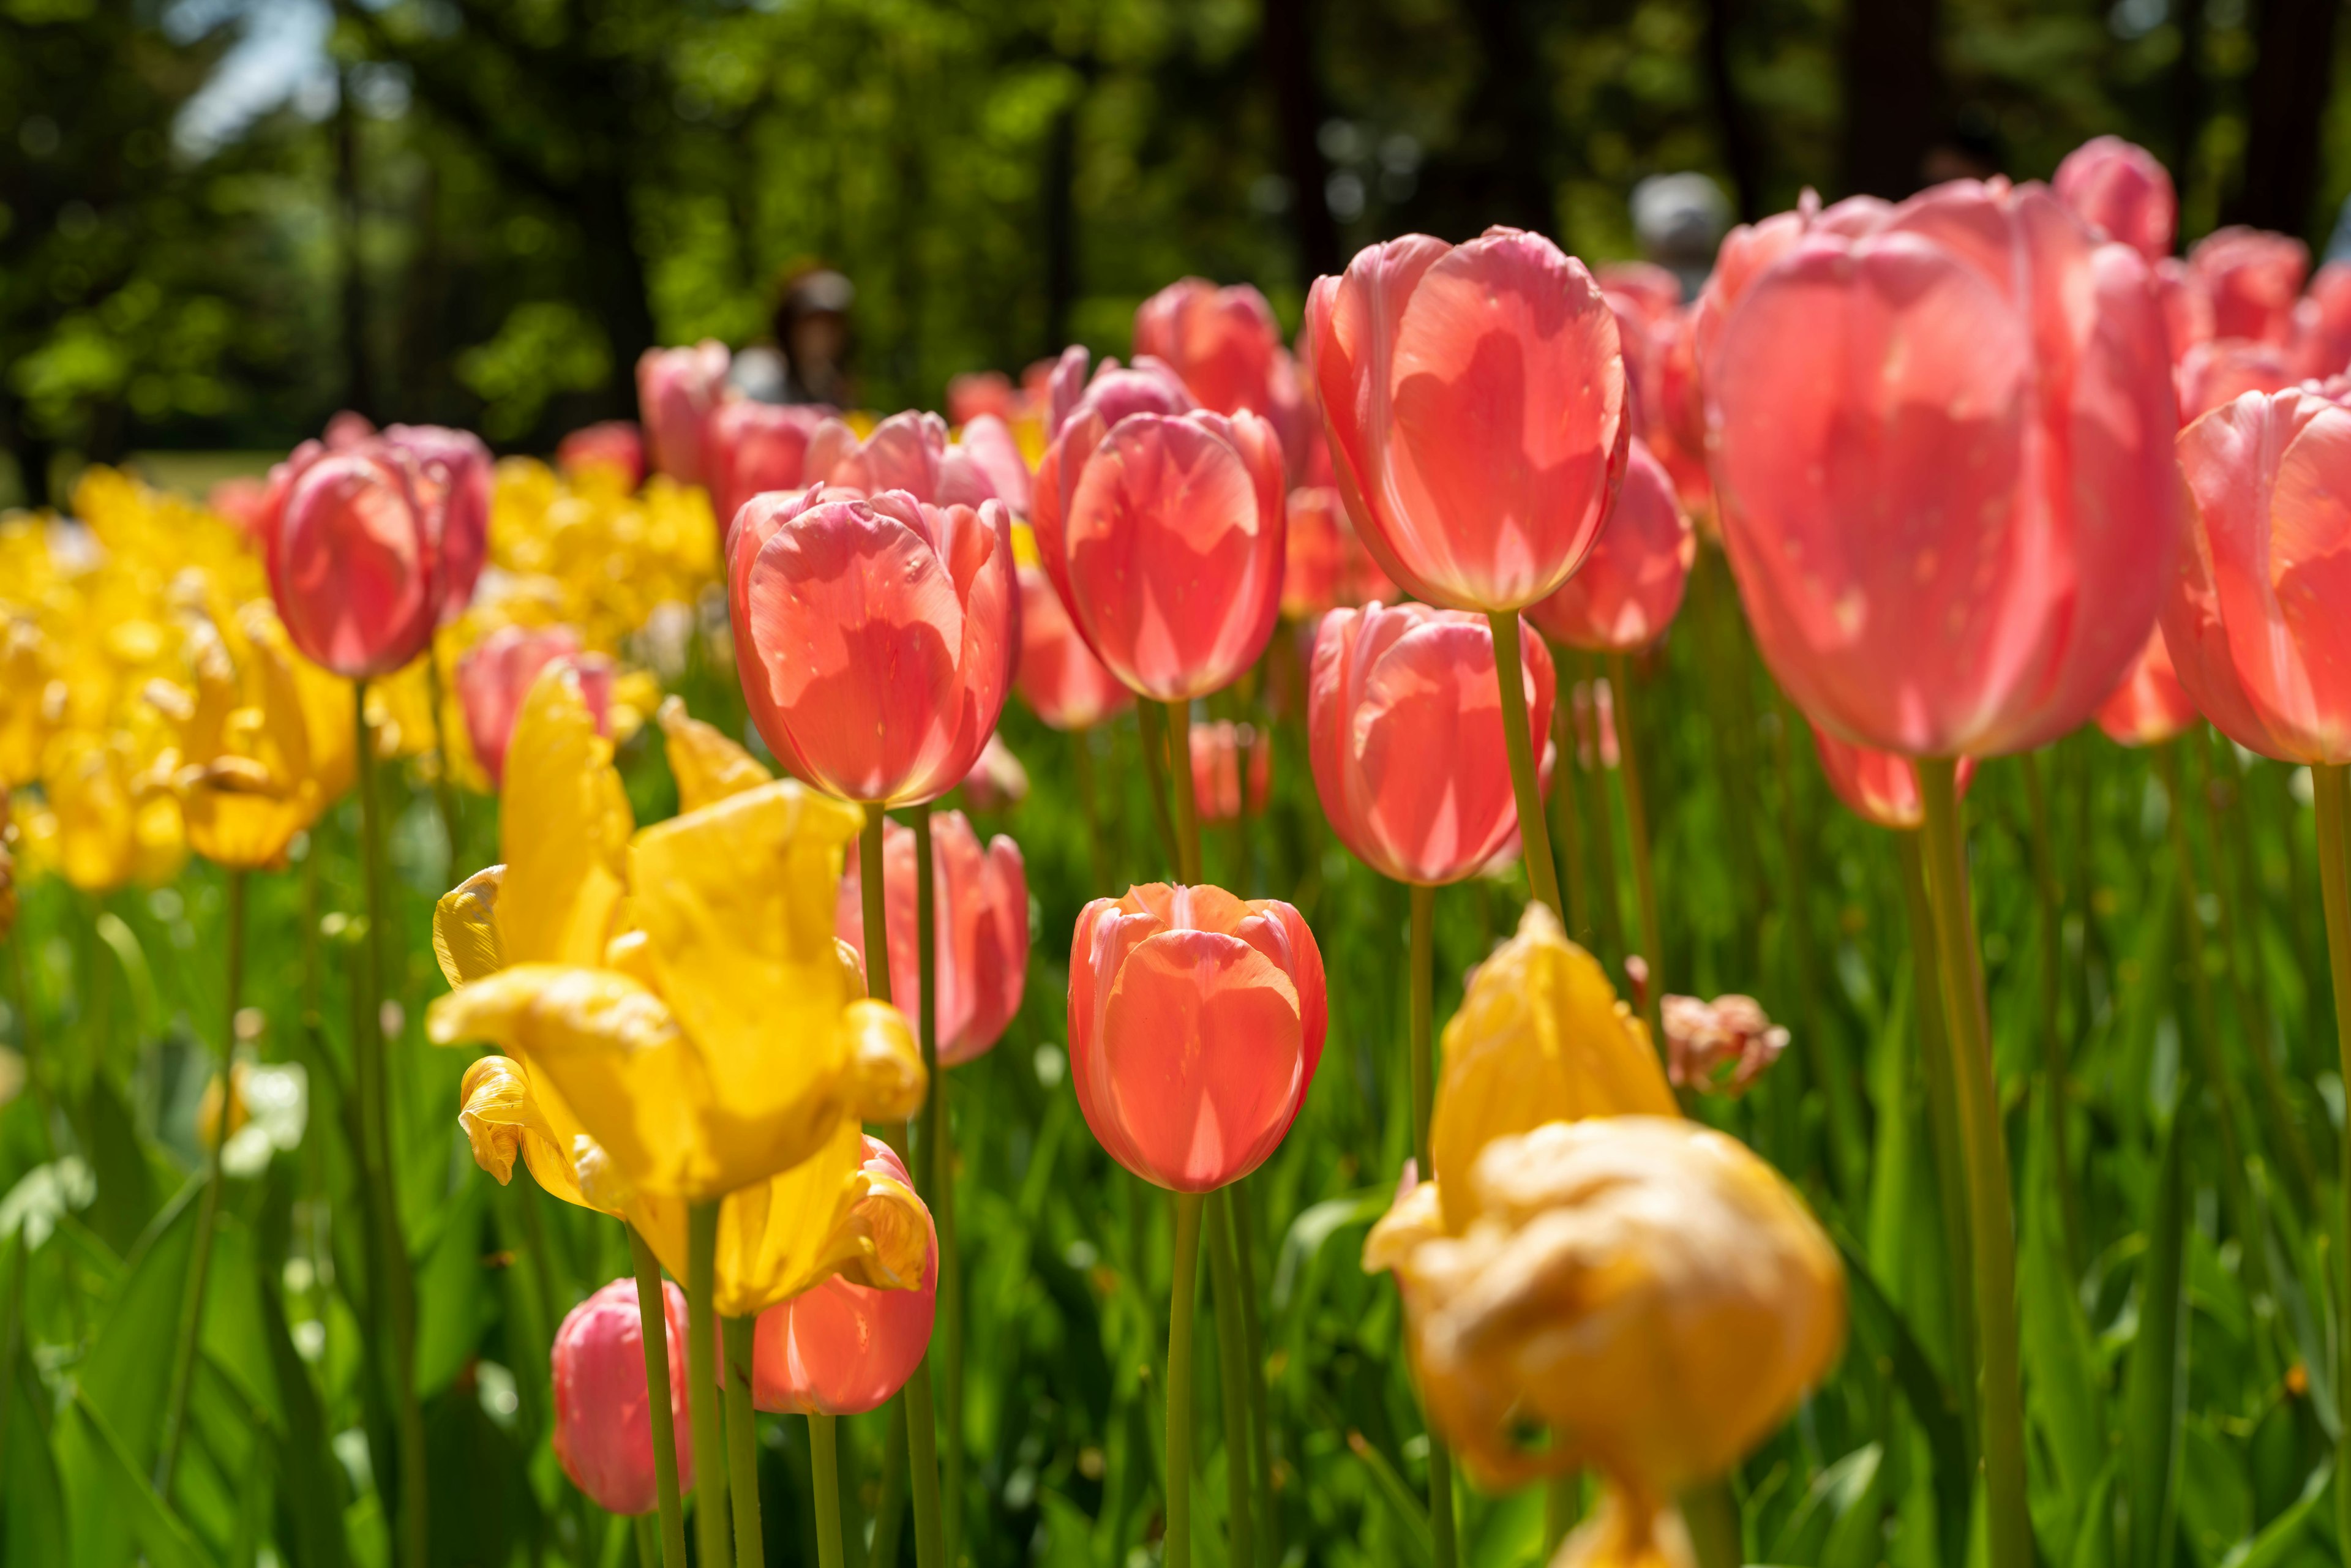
(221, 220)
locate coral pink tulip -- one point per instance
(2225, 368)
(603, 1427)
(1404, 725)
(678, 389)
(1750, 249)
(1196, 1024)
(1221, 752)
(1650, 293)
(2255, 620)
(1477, 405)
(614, 445)
(907, 452)
(1162, 529)
(1878, 785)
(1059, 678)
(1225, 344)
(1673, 411)
(353, 563)
(874, 637)
(976, 393)
(996, 780)
(842, 1349)
(1324, 564)
(497, 672)
(989, 444)
(750, 448)
(2187, 302)
(2118, 188)
(2255, 278)
(1629, 586)
(1940, 457)
(2150, 705)
(980, 925)
(449, 471)
(2323, 323)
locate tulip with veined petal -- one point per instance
(495, 674)
(677, 390)
(603, 1431)
(2120, 189)
(2150, 705)
(1628, 589)
(980, 903)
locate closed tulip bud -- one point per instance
(2121, 190)
(1940, 457)
(613, 447)
(1324, 564)
(1196, 1021)
(2254, 622)
(1629, 588)
(1059, 678)
(1878, 785)
(844, 1348)
(875, 637)
(449, 472)
(979, 901)
(677, 390)
(1403, 725)
(1221, 753)
(749, 448)
(2150, 707)
(497, 672)
(353, 566)
(1477, 409)
(1162, 529)
(603, 1427)
(1226, 345)
(2255, 278)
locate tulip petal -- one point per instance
(707, 765)
(564, 827)
(466, 928)
(502, 1118)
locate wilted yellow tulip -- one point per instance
(1645, 1289)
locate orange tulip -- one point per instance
(749, 448)
(2255, 278)
(1324, 564)
(615, 447)
(907, 452)
(1225, 345)
(1220, 753)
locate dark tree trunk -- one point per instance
(1740, 148)
(2287, 98)
(1894, 94)
(2187, 92)
(1288, 45)
(358, 372)
(615, 286)
(1518, 180)
(1060, 225)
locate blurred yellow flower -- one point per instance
(706, 765)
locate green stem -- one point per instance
(935, 1181)
(444, 789)
(652, 1318)
(1187, 810)
(648, 1542)
(1178, 1544)
(1245, 1246)
(824, 1481)
(1609, 892)
(192, 1305)
(2333, 782)
(1224, 1281)
(1992, 1222)
(742, 1441)
(1509, 677)
(873, 903)
(1566, 813)
(2054, 1069)
(1636, 830)
(1423, 976)
(1152, 720)
(373, 1082)
(29, 1041)
(1711, 1512)
(923, 1465)
(1082, 750)
(890, 1514)
(701, 1397)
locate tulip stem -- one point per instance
(923, 1465)
(1567, 820)
(444, 790)
(742, 1441)
(1224, 1280)
(2333, 782)
(824, 1479)
(192, 1305)
(1152, 720)
(1082, 750)
(1178, 1543)
(890, 1514)
(1562, 1506)
(1991, 1223)
(1510, 675)
(1422, 986)
(1710, 1512)
(1180, 775)
(937, 1187)
(1636, 830)
(391, 1286)
(653, 1320)
(702, 1400)
(1269, 1523)
(2052, 1045)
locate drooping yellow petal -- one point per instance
(885, 1079)
(502, 1118)
(466, 928)
(564, 825)
(707, 765)
(1540, 1036)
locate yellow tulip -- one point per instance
(91, 786)
(706, 765)
(30, 699)
(1645, 1288)
(564, 831)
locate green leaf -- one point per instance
(159, 1534)
(33, 1520)
(454, 1303)
(2270, 1548)
(1882, 1330)
(2059, 1356)
(2154, 1392)
(126, 1183)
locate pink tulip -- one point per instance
(1146, 386)
(1225, 344)
(353, 565)
(2255, 278)
(843, 1349)
(1324, 564)
(449, 471)
(1940, 459)
(1628, 589)
(2225, 368)
(347, 428)
(2187, 302)
(1751, 250)
(1162, 530)
(1877, 786)
(603, 1425)
(996, 781)
(244, 501)
(1196, 1023)
(1404, 724)
(2119, 189)
(613, 444)
(2255, 620)
(678, 389)
(976, 393)
(1219, 753)
(1649, 292)
(907, 452)
(980, 924)
(497, 672)
(2323, 322)
(2150, 707)
(1059, 678)
(751, 448)
(875, 636)
(990, 446)
(1476, 402)
(1673, 412)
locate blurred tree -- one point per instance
(2290, 83)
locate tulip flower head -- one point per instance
(353, 565)
(843, 1348)
(979, 901)
(2121, 190)
(1946, 497)
(2224, 369)
(1059, 678)
(603, 1430)
(1196, 1021)
(907, 452)
(614, 447)
(1404, 724)
(749, 448)
(1222, 753)
(875, 637)
(2150, 707)
(2255, 278)
(1878, 785)
(1225, 345)
(1324, 564)
(449, 471)
(677, 390)
(1629, 588)
(2255, 621)
(1477, 409)
(497, 672)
